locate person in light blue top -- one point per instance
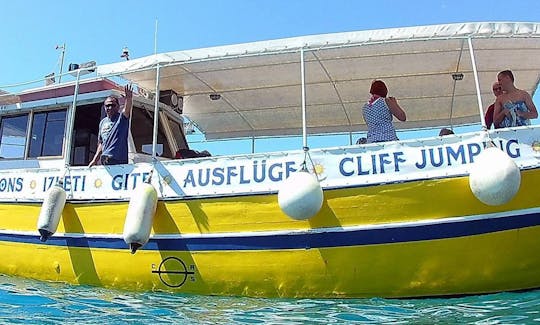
(378, 113)
(514, 107)
(113, 131)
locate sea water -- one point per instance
(31, 302)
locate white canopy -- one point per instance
(260, 82)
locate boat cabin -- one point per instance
(34, 125)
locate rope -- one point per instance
(304, 163)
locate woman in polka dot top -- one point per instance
(378, 113)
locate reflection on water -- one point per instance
(27, 301)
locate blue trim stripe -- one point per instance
(302, 240)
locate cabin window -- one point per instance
(85, 133)
(142, 124)
(178, 134)
(47, 133)
(13, 136)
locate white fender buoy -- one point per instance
(494, 178)
(140, 215)
(51, 210)
(300, 196)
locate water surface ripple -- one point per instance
(31, 302)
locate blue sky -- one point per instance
(99, 29)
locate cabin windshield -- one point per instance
(142, 124)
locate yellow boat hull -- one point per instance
(396, 240)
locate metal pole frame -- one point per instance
(156, 114)
(304, 121)
(62, 62)
(71, 120)
(476, 81)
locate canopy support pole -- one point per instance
(71, 120)
(478, 94)
(156, 115)
(304, 123)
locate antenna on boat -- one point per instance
(125, 53)
(155, 37)
(62, 54)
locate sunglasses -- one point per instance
(110, 105)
